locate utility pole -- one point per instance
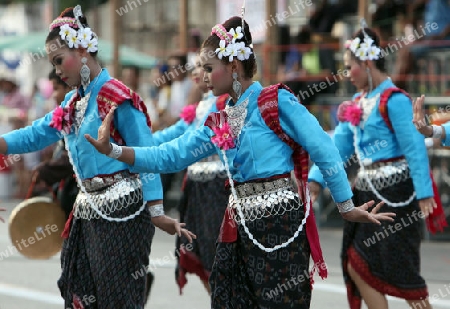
(363, 11)
(183, 26)
(116, 29)
(270, 55)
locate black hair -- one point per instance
(380, 63)
(213, 42)
(182, 59)
(134, 68)
(53, 76)
(54, 33)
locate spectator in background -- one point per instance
(58, 170)
(328, 12)
(13, 97)
(436, 25)
(19, 106)
(160, 93)
(181, 85)
(131, 76)
(307, 66)
(385, 16)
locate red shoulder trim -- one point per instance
(114, 93)
(268, 107)
(384, 98)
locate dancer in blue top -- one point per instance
(439, 132)
(376, 131)
(204, 198)
(268, 232)
(111, 228)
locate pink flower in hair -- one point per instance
(188, 113)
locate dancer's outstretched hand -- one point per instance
(361, 214)
(314, 190)
(419, 117)
(102, 142)
(172, 226)
(1, 219)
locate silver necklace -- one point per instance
(81, 106)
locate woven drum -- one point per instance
(35, 227)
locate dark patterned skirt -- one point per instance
(246, 277)
(202, 207)
(104, 264)
(386, 256)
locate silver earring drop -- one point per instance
(85, 73)
(237, 86)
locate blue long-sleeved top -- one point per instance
(446, 126)
(130, 122)
(206, 106)
(375, 141)
(259, 153)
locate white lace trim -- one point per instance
(205, 171)
(271, 203)
(120, 195)
(383, 176)
(369, 182)
(242, 216)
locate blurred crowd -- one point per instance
(417, 27)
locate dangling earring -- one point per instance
(85, 73)
(370, 80)
(237, 86)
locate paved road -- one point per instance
(31, 284)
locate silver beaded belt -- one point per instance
(120, 195)
(204, 171)
(257, 188)
(382, 175)
(101, 182)
(262, 199)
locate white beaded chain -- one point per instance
(242, 220)
(88, 196)
(371, 186)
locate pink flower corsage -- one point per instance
(188, 113)
(223, 137)
(349, 111)
(61, 119)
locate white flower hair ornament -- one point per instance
(366, 50)
(73, 32)
(228, 47)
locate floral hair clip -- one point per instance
(83, 37)
(365, 50)
(228, 46)
(58, 22)
(347, 44)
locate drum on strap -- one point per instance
(35, 227)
